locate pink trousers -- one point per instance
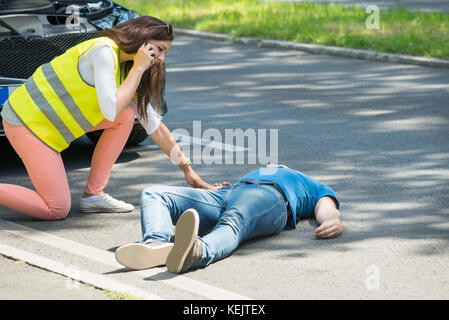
(51, 200)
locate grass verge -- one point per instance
(400, 31)
(115, 295)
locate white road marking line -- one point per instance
(107, 258)
(184, 140)
(102, 256)
(209, 143)
(96, 280)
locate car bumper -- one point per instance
(2, 130)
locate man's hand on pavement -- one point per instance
(329, 229)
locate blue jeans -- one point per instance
(227, 217)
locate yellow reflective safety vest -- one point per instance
(55, 103)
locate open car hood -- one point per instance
(24, 6)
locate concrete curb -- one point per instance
(320, 49)
(75, 274)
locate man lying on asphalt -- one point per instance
(210, 225)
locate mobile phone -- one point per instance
(146, 42)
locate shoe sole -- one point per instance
(105, 210)
(137, 256)
(186, 233)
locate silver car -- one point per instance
(33, 32)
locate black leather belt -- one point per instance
(277, 187)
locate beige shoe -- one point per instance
(137, 256)
(187, 250)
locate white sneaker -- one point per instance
(137, 256)
(104, 203)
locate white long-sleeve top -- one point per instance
(97, 68)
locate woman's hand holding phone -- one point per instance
(143, 60)
(144, 57)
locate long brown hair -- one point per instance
(129, 36)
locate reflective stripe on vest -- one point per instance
(55, 103)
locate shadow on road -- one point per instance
(375, 132)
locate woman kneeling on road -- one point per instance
(99, 84)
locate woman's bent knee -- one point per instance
(59, 211)
(127, 115)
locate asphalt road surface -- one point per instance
(375, 132)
